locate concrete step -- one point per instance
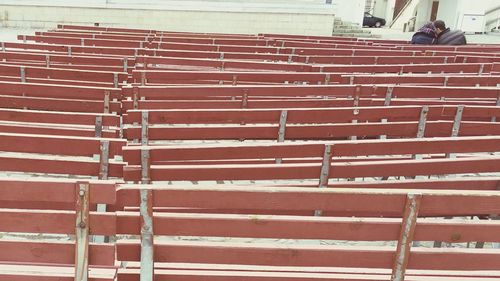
(350, 30)
(359, 35)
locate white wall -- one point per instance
(350, 10)
(405, 16)
(452, 11)
(391, 4)
(448, 12)
(232, 19)
(380, 8)
(424, 13)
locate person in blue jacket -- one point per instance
(426, 35)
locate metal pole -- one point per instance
(406, 236)
(325, 171)
(82, 232)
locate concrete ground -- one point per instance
(387, 33)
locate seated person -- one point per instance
(426, 35)
(447, 36)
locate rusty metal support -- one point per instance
(135, 98)
(422, 121)
(104, 160)
(106, 101)
(456, 126)
(325, 171)
(244, 100)
(98, 126)
(144, 127)
(458, 120)
(125, 64)
(147, 243)
(82, 231)
(421, 127)
(494, 118)
(387, 102)
(145, 164)
(407, 233)
(282, 130)
(143, 78)
(282, 126)
(327, 78)
(355, 103)
(22, 71)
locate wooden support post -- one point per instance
(82, 230)
(325, 171)
(406, 235)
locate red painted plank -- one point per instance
(369, 202)
(53, 252)
(371, 257)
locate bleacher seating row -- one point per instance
(131, 154)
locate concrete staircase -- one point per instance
(348, 29)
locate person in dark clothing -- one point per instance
(426, 35)
(447, 36)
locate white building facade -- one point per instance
(474, 16)
(306, 17)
